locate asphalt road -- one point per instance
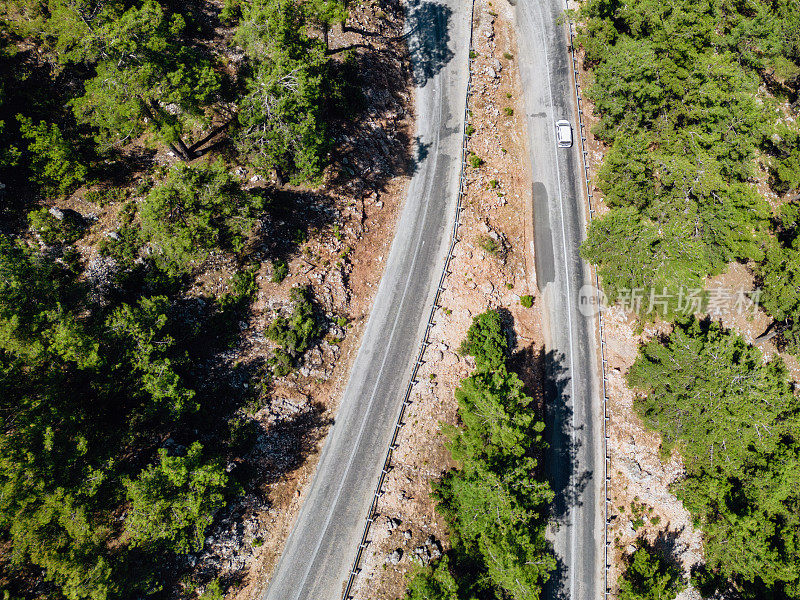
(574, 418)
(321, 547)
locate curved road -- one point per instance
(322, 544)
(575, 413)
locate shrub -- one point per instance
(295, 334)
(493, 183)
(280, 270)
(56, 231)
(649, 577)
(197, 209)
(124, 246)
(508, 111)
(473, 55)
(231, 11)
(213, 591)
(113, 194)
(475, 161)
(54, 164)
(281, 362)
(470, 129)
(433, 583)
(490, 245)
(526, 300)
(486, 340)
(508, 55)
(174, 501)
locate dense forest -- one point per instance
(697, 105)
(695, 101)
(497, 503)
(118, 433)
(736, 421)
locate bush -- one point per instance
(434, 583)
(195, 210)
(295, 334)
(470, 129)
(231, 11)
(486, 340)
(241, 291)
(107, 196)
(280, 270)
(213, 591)
(508, 111)
(124, 246)
(53, 231)
(649, 577)
(490, 245)
(281, 362)
(493, 183)
(174, 501)
(54, 164)
(475, 161)
(526, 300)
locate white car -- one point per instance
(564, 134)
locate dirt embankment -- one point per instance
(489, 270)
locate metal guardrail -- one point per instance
(387, 463)
(355, 570)
(600, 324)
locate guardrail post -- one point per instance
(600, 326)
(431, 323)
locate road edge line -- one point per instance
(354, 571)
(598, 298)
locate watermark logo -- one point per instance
(715, 302)
(590, 299)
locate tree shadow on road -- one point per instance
(428, 39)
(561, 457)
